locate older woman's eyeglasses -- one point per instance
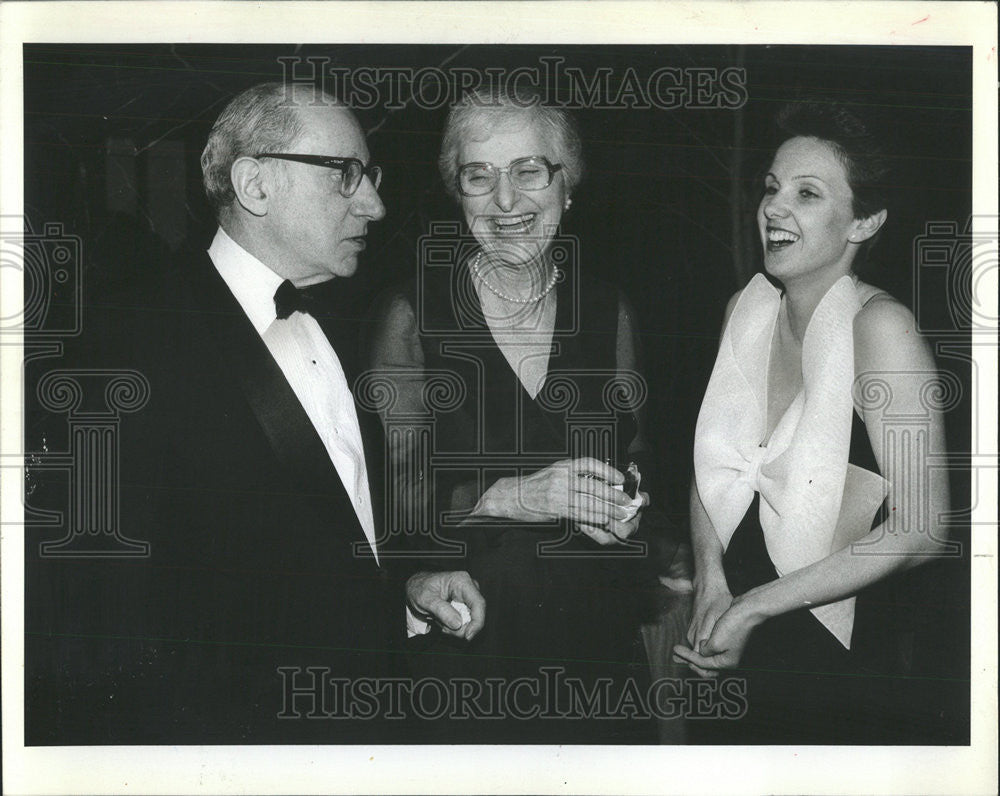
(526, 174)
(352, 170)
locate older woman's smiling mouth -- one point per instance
(512, 225)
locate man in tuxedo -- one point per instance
(249, 472)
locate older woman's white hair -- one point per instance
(481, 111)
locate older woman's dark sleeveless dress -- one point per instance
(562, 611)
(803, 686)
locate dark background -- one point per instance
(113, 134)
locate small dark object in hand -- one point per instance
(632, 477)
(631, 485)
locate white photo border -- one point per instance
(548, 769)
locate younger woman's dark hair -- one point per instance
(855, 144)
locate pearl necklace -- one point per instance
(530, 300)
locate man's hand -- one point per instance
(429, 595)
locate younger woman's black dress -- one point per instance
(802, 685)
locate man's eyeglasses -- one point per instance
(526, 174)
(352, 170)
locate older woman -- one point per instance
(542, 366)
(797, 555)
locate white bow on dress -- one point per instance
(813, 502)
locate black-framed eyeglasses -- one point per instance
(352, 170)
(526, 174)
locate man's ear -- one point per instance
(864, 228)
(250, 185)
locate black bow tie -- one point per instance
(289, 299)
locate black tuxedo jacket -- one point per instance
(258, 567)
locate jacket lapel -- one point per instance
(284, 422)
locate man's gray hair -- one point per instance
(264, 118)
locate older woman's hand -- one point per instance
(581, 490)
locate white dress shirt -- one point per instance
(309, 364)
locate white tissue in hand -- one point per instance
(632, 508)
(463, 611)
